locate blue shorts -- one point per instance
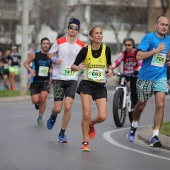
(146, 88)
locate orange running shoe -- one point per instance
(85, 146)
(92, 132)
(12, 88)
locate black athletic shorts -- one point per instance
(36, 88)
(6, 72)
(64, 88)
(96, 90)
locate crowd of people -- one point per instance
(9, 68)
(145, 66)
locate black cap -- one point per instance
(74, 21)
(14, 47)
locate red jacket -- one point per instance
(130, 63)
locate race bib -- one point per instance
(30, 64)
(68, 72)
(6, 66)
(16, 67)
(158, 59)
(43, 71)
(95, 74)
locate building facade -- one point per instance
(8, 21)
(119, 19)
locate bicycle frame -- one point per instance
(128, 101)
(124, 96)
(127, 93)
(122, 103)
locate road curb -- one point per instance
(146, 135)
(14, 99)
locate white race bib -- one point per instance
(6, 66)
(95, 74)
(43, 71)
(158, 59)
(68, 72)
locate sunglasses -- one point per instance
(71, 27)
(128, 44)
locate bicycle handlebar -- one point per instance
(117, 74)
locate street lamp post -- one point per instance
(24, 46)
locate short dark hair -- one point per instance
(45, 38)
(129, 39)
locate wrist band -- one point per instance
(53, 59)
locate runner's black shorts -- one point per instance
(36, 88)
(64, 88)
(6, 72)
(96, 90)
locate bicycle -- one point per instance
(122, 102)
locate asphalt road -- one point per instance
(26, 146)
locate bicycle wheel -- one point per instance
(119, 113)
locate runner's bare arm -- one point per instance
(142, 55)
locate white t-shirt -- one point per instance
(68, 53)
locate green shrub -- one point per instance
(10, 93)
(165, 128)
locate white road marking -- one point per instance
(107, 136)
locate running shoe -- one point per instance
(85, 146)
(6, 87)
(37, 105)
(12, 87)
(3, 87)
(39, 120)
(92, 132)
(51, 122)
(155, 142)
(131, 134)
(62, 138)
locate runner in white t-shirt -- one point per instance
(63, 53)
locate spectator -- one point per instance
(14, 66)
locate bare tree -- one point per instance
(124, 16)
(56, 14)
(165, 6)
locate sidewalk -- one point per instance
(14, 99)
(146, 135)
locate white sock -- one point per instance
(135, 124)
(155, 133)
